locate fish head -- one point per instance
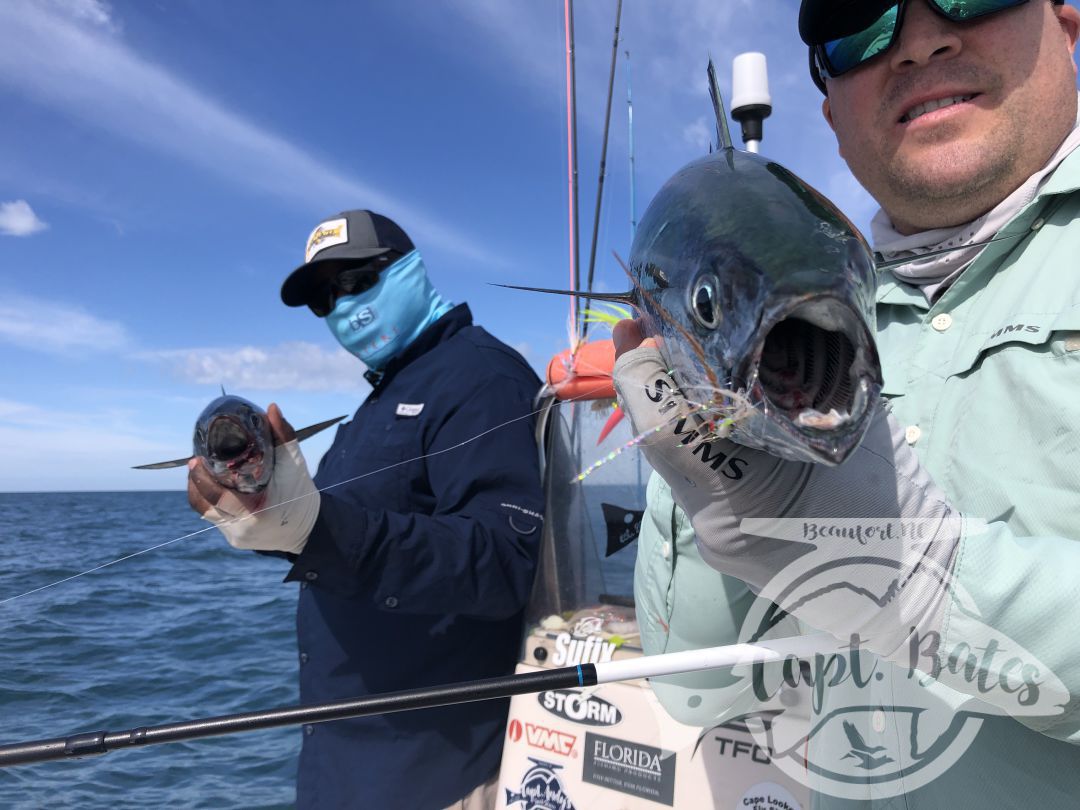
(760, 293)
(233, 437)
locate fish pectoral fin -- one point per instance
(311, 430)
(165, 465)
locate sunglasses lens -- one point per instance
(353, 281)
(356, 280)
(846, 53)
(960, 10)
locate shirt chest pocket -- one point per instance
(1023, 347)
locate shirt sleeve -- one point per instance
(684, 604)
(475, 553)
(1007, 632)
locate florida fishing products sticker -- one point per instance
(540, 789)
(630, 767)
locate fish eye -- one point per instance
(704, 302)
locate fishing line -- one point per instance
(283, 503)
(104, 565)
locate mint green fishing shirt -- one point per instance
(986, 382)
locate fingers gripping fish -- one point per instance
(233, 437)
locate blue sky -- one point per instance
(163, 161)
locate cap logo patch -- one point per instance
(326, 234)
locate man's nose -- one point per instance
(925, 37)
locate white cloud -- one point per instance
(56, 449)
(17, 218)
(699, 134)
(57, 327)
(296, 366)
(69, 56)
(92, 11)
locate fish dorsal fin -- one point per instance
(723, 134)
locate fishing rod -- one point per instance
(603, 165)
(93, 743)
(571, 147)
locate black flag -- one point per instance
(623, 526)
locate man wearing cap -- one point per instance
(960, 118)
(417, 544)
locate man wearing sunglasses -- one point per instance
(960, 118)
(416, 555)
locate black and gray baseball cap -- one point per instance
(340, 242)
(822, 21)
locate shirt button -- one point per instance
(912, 434)
(391, 602)
(942, 322)
(309, 729)
(311, 576)
(878, 721)
(303, 586)
(303, 658)
(665, 550)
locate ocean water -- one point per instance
(189, 630)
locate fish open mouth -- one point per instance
(227, 440)
(814, 365)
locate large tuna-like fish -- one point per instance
(756, 285)
(761, 294)
(233, 437)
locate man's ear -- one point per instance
(826, 111)
(1069, 20)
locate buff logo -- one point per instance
(326, 234)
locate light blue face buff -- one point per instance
(379, 323)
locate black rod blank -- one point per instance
(102, 742)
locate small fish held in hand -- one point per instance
(234, 440)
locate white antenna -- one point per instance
(751, 103)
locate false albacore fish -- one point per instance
(233, 437)
(760, 293)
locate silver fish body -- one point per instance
(757, 284)
(233, 437)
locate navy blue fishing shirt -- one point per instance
(418, 570)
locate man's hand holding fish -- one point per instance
(278, 518)
(768, 521)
